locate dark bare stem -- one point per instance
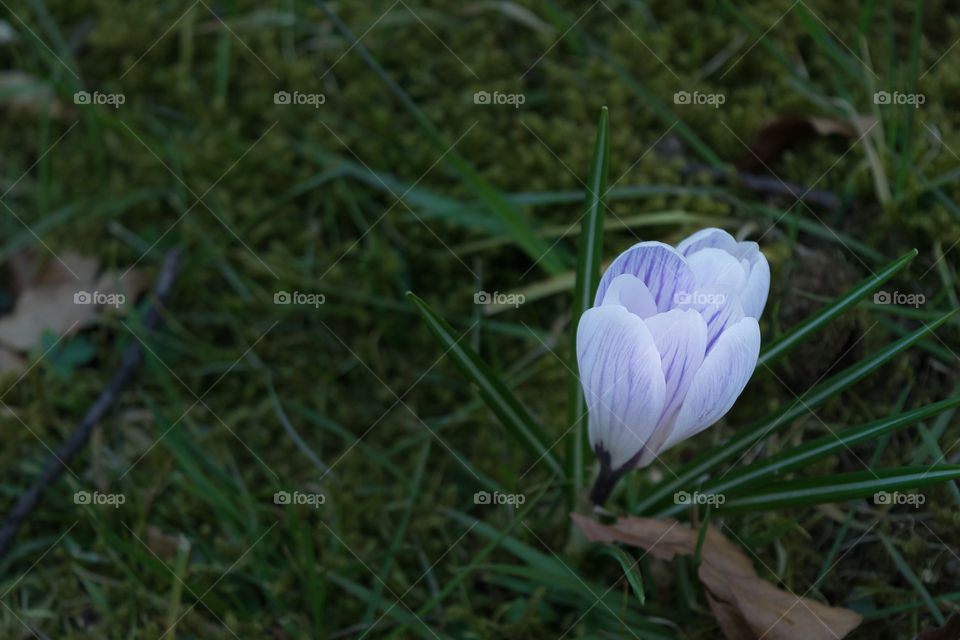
(129, 362)
(606, 481)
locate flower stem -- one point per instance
(606, 481)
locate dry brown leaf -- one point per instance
(747, 607)
(56, 298)
(782, 132)
(131, 284)
(949, 631)
(21, 91)
(48, 303)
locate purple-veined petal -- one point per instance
(622, 381)
(681, 339)
(658, 265)
(629, 291)
(711, 237)
(719, 381)
(719, 308)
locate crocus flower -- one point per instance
(669, 345)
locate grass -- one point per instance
(363, 199)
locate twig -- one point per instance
(131, 359)
(767, 185)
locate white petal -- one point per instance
(719, 381)
(681, 339)
(754, 294)
(707, 238)
(622, 381)
(717, 268)
(629, 291)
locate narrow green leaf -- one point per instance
(793, 338)
(819, 448)
(630, 570)
(840, 487)
(912, 578)
(689, 474)
(494, 392)
(495, 540)
(587, 282)
(374, 602)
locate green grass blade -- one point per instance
(796, 336)
(588, 280)
(746, 438)
(495, 541)
(912, 578)
(494, 392)
(802, 456)
(374, 601)
(630, 570)
(840, 487)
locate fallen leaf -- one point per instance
(21, 91)
(61, 298)
(782, 132)
(747, 607)
(949, 631)
(48, 303)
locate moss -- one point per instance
(351, 359)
